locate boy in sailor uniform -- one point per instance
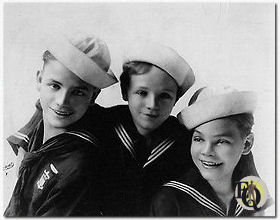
(146, 146)
(221, 121)
(57, 171)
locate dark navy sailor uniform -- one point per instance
(134, 167)
(192, 195)
(56, 178)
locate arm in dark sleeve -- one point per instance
(22, 136)
(164, 204)
(71, 198)
(76, 192)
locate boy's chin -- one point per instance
(210, 174)
(59, 124)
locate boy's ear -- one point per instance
(248, 144)
(38, 79)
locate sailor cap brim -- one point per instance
(79, 63)
(164, 57)
(218, 106)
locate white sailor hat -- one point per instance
(92, 66)
(208, 104)
(164, 57)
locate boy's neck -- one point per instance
(223, 189)
(51, 132)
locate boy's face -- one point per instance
(151, 97)
(64, 96)
(216, 149)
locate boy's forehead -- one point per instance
(155, 78)
(219, 127)
(54, 70)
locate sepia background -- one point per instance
(225, 44)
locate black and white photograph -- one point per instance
(139, 109)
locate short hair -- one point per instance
(244, 122)
(47, 56)
(136, 68)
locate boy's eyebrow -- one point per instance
(52, 80)
(225, 134)
(76, 87)
(168, 90)
(141, 87)
(82, 88)
(197, 131)
(164, 90)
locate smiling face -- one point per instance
(64, 97)
(216, 149)
(151, 97)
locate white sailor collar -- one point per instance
(128, 141)
(194, 185)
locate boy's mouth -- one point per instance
(62, 113)
(209, 164)
(151, 115)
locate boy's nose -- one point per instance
(151, 102)
(207, 149)
(62, 98)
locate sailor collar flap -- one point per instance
(194, 185)
(128, 140)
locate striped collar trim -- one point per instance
(160, 149)
(203, 200)
(128, 143)
(85, 135)
(81, 134)
(125, 138)
(238, 210)
(21, 136)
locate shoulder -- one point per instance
(92, 120)
(78, 146)
(95, 110)
(117, 109)
(79, 150)
(173, 126)
(76, 164)
(116, 113)
(165, 203)
(192, 178)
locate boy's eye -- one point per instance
(197, 139)
(54, 86)
(78, 93)
(223, 141)
(141, 92)
(165, 96)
